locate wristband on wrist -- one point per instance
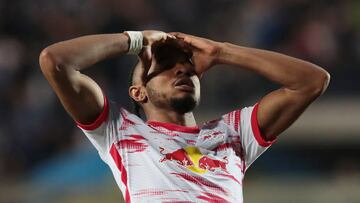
(136, 42)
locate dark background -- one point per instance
(45, 158)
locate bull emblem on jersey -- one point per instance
(191, 158)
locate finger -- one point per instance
(162, 38)
(186, 47)
(186, 38)
(171, 40)
(178, 35)
(157, 37)
(183, 44)
(148, 53)
(145, 54)
(170, 36)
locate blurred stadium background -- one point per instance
(45, 158)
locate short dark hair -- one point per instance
(136, 107)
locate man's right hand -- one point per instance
(153, 37)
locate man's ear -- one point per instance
(138, 93)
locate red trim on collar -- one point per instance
(174, 127)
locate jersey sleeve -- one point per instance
(244, 121)
(100, 131)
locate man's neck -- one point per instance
(165, 116)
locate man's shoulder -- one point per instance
(120, 112)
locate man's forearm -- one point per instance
(85, 51)
(292, 73)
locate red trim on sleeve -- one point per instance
(237, 120)
(256, 130)
(179, 128)
(117, 159)
(99, 120)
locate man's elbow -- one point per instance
(46, 60)
(325, 81)
(49, 63)
(320, 83)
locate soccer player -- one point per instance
(168, 157)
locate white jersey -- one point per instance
(162, 162)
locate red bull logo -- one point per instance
(179, 156)
(210, 164)
(191, 158)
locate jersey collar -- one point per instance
(174, 127)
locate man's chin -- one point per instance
(184, 104)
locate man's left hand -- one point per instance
(204, 51)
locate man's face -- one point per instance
(171, 81)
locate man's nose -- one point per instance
(182, 70)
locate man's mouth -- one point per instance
(184, 84)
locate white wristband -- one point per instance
(136, 42)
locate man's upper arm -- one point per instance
(80, 95)
(280, 108)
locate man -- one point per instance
(170, 158)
